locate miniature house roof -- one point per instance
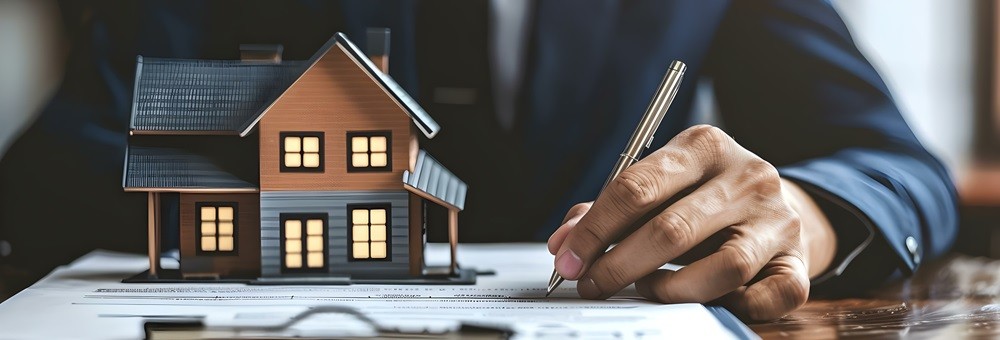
(178, 96)
(175, 96)
(433, 179)
(155, 168)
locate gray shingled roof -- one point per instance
(231, 96)
(181, 95)
(434, 179)
(160, 167)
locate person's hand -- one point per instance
(754, 238)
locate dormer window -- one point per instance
(302, 152)
(369, 151)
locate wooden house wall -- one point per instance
(246, 262)
(418, 235)
(335, 96)
(334, 204)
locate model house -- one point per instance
(280, 170)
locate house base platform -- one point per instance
(466, 276)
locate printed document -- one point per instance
(87, 300)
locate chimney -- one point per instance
(378, 47)
(266, 53)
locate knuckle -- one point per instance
(760, 309)
(796, 292)
(740, 263)
(659, 290)
(703, 131)
(672, 229)
(762, 179)
(672, 161)
(709, 138)
(785, 221)
(611, 277)
(576, 210)
(793, 224)
(580, 208)
(718, 192)
(788, 291)
(665, 295)
(763, 168)
(590, 236)
(765, 191)
(634, 188)
(785, 297)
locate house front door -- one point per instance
(304, 243)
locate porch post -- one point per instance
(453, 238)
(153, 220)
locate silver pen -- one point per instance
(642, 138)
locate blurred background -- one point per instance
(938, 57)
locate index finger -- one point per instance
(572, 217)
(634, 193)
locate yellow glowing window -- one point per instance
(304, 242)
(369, 151)
(370, 233)
(302, 151)
(216, 231)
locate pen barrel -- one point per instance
(642, 138)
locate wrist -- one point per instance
(819, 242)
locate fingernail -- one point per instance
(568, 265)
(588, 289)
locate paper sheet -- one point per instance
(86, 300)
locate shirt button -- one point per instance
(4, 248)
(913, 247)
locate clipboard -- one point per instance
(732, 323)
(195, 328)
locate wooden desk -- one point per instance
(956, 298)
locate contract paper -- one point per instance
(88, 299)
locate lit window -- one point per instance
(216, 230)
(304, 241)
(302, 151)
(369, 151)
(370, 232)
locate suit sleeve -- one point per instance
(792, 87)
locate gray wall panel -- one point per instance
(334, 203)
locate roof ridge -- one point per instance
(156, 60)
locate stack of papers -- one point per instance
(86, 299)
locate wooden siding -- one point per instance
(335, 96)
(417, 235)
(334, 204)
(246, 262)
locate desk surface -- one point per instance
(958, 297)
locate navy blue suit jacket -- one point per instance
(790, 84)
